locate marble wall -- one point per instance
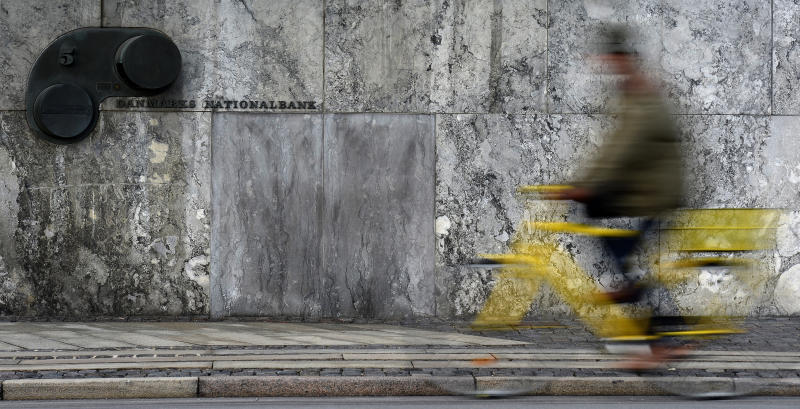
(116, 225)
(427, 115)
(267, 209)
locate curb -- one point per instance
(641, 386)
(100, 388)
(318, 386)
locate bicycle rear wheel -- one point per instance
(701, 370)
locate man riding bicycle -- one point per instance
(637, 172)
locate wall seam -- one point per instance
(101, 13)
(211, 260)
(771, 56)
(324, 15)
(547, 57)
(323, 204)
(431, 113)
(433, 224)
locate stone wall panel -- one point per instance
(741, 161)
(435, 56)
(725, 159)
(707, 65)
(371, 208)
(378, 243)
(267, 215)
(261, 50)
(105, 250)
(481, 160)
(786, 57)
(26, 28)
(109, 226)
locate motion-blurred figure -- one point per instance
(637, 171)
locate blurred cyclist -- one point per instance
(637, 171)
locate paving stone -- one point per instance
(311, 364)
(90, 365)
(733, 358)
(415, 356)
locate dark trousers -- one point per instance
(622, 247)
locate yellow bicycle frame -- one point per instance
(535, 258)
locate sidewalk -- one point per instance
(45, 360)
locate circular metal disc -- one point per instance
(149, 62)
(63, 111)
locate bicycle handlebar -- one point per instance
(582, 229)
(533, 189)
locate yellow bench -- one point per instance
(533, 260)
(715, 230)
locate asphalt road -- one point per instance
(590, 402)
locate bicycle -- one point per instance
(693, 239)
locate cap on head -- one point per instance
(615, 40)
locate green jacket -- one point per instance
(637, 171)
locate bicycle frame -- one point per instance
(536, 258)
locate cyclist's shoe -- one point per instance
(672, 352)
(628, 294)
(659, 355)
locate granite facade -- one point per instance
(377, 246)
(251, 50)
(302, 233)
(435, 56)
(786, 57)
(706, 64)
(114, 226)
(267, 215)
(27, 28)
(428, 114)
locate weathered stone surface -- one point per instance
(787, 291)
(267, 210)
(781, 158)
(377, 55)
(309, 364)
(481, 160)
(726, 161)
(438, 56)
(788, 234)
(708, 64)
(490, 57)
(26, 28)
(93, 365)
(242, 386)
(786, 57)
(586, 386)
(378, 244)
(263, 50)
(130, 388)
(128, 209)
(115, 225)
(731, 161)
(741, 161)
(125, 148)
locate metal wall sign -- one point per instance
(83, 67)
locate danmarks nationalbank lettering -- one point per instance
(239, 104)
